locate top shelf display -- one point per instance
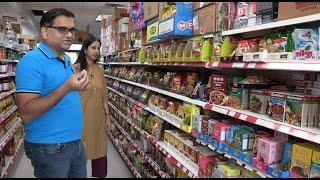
(278, 24)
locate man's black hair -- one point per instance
(49, 16)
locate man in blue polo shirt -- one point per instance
(48, 101)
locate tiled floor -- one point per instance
(116, 167)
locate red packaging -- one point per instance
(220, 131)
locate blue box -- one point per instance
(231, 150)
(204, 137)
(275, 171)
(247, 159)
(182, 9)
(176, 26)
(211, 141)
(238, 154)
(217, 144)
(287, 153)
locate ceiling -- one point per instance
(85, 12)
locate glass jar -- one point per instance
(3, 68)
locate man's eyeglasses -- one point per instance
(64, 30)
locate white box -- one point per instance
(259, 57)
(280, 57)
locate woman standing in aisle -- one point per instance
(95, 107)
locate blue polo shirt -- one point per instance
(41, 72)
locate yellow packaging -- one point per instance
(181, 173)
(230, 170)
(315, 164)
(190, 113)
(301, 158)
(166, 136)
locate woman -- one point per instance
(95, 107)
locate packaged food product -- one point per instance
(171, 108)
(179, 52)
(211, 126)
(229, 170)
(315, 163)
(305, 44)
(228, 46)
(217, 43)
(246, 46)
(230, 134)
(243, 138)
(301, 160)
(189, 84)
(225, 16)
(238, 98)
(296, 110)
(269, 151)
(287, 154)
(259, 100)
(218, 89)
(176, 83)
(220, 131)
(190, 113)
(277, 106)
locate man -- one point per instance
(49, 103)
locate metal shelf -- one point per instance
(310, 134)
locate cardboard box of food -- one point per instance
(198, 5)
(120, 13)
(288, 10)
(16, 27)
(151, 10)
(204, 20)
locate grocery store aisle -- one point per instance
(117, 167)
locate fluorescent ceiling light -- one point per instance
(75, 47)
(99, 17)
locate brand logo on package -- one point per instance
(190, 25)
(183, 25)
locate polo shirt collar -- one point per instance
(48, 51)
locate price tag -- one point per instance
(251, 66)
(232, 113)
(238, 65)
(243, 117)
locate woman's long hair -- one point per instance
(82, 59)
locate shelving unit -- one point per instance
(5, 116)
(278, 24)
(11, 160)
(141, 151)
(310, 134)
(262, 122)
(311, 67)
(124, 157)
(7, 75)
(10, 133)
(177, 159)
(5, 94)
(9, 61)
